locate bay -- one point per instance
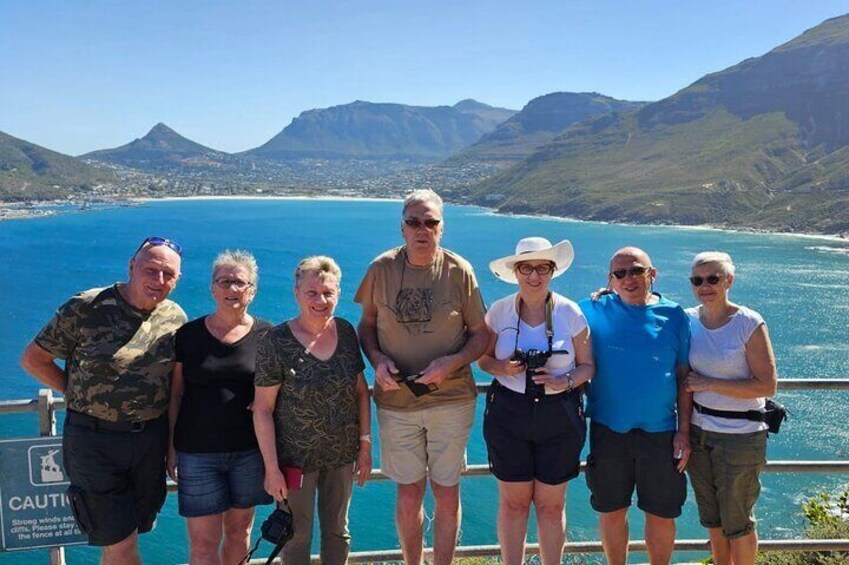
(800, 285)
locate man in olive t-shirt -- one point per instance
(422, 325)
(117, 344)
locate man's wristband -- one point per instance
(570, 382)
(366, 437)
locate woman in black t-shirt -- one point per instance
(213, 453)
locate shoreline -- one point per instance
(25, 210)
(492, 211)
(145, 200)
(698, 227)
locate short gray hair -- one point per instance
(422, 196)
(239, 259)
(321, 265)
(720, 257)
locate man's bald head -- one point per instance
(632, 275)
(154, 272)
(631, 253)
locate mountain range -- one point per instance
(366, 130)
(762, 144)
(539, 122)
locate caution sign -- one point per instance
(34, 510)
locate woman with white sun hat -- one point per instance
(540, 354)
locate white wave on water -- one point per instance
(823, 286)
(829, 249)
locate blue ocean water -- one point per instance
(800, 286)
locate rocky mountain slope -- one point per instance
(763, 144)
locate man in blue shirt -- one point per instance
(640, 417)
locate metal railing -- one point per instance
(46, 405)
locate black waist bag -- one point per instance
(774, 414)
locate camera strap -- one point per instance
(247, 558)
(549, 322)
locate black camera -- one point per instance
(278, 528)
(533, 359)
(418, 389)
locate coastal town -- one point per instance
(303, 178)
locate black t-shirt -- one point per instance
(218, 387)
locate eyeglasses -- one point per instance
(225, 283)
(633, 272)
(542, 269)
(712, 280)
(155, 241)
(415, 223)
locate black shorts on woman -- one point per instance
(532, 437)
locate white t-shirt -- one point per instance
(721, 354)
(567, 322)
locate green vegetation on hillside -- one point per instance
(31, 172)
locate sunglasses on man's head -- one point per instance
(712, 280)
(415, 223)
(541, 269)
(155, 241)
(633, 271)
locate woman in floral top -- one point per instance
(311, 412)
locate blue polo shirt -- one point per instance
(636, 350)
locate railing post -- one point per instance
(46, 416)
(47, 427)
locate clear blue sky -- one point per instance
(81, 75)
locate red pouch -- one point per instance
(294, 477)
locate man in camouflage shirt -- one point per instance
(117, 344)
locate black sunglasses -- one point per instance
(712, 280)
(155, 241)
(633, 271)
(415, 223)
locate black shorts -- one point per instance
(620, 462)
(533, 440)
(117, 477)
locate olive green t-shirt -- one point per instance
(422, 313)
(118, 359)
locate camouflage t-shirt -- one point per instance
(315, 418)
(118, 359)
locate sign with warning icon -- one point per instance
(34, 509)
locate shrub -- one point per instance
(829, 519)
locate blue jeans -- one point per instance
(212, 483)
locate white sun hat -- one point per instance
(534, 249)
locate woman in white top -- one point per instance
(733, 371)
(540, 354)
